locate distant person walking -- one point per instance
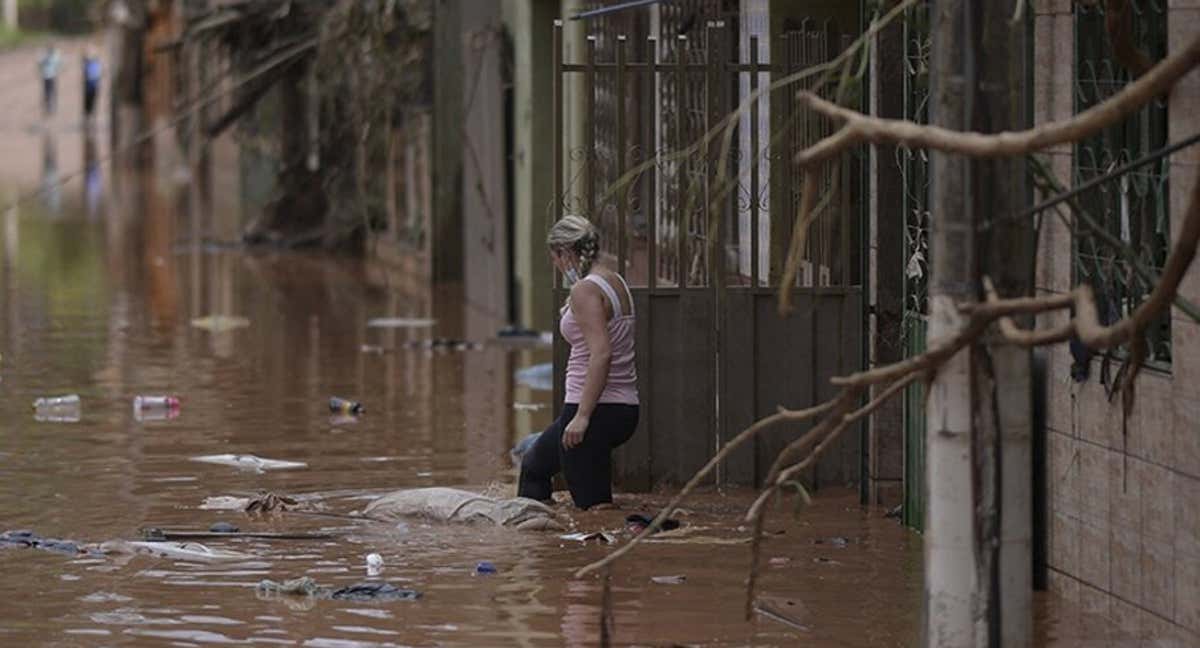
(49, 65)
(92, 71)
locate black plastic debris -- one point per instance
(374, 592)
(637, 523)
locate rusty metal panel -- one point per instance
(696, 434)
(784, 367)
(850, 361)
(829, 335)
(632, 467)
(681, 349)
(665, 353)
(738, 339)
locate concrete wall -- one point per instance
(1124, 503)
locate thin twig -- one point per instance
(742, 437)
(755, 552)
(808, 194)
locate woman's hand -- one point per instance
(573, 434)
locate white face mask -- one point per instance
(572, 276)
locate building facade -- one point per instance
(1123, 486)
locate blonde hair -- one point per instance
(577, 234)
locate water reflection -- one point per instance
(51, 190)
(93, 178)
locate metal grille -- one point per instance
(717, 353)
(1134, 207)
(914, 164)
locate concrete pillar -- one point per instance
(447, 141)
(10, 14)
(530, 25)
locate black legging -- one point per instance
(587, 466)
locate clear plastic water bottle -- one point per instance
(57, 402)
(57, 409)
(155, 403)
(155, 408)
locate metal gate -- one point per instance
(914, 165)
(701, 235)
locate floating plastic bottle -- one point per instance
(56, 402)
(155, 402)
(374, 564)
(57, 409)
(345, 406)
(155, 408)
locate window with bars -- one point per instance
(1132, 208)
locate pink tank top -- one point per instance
(621, 385)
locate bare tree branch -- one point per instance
(862, 128)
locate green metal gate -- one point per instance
(914, 164)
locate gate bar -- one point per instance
(623, 192)
(557, 90)
(589, 130)
(681, 163)
(650, 208)
(754, 162)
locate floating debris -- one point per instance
(603, 537)
(345, 406)
(444, 344)
(773, 612)
(57, 409)
(155, 408)
(400, 322)
(306, 586)
(224, 503)
(220, 323)
(539, 377)
(193, 551)
(249, 462)
(669, 580)
(637, 523)
(269, 502)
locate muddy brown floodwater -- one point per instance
(100, 281)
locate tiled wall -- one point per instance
(1124, 499)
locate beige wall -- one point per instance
(1124, 504)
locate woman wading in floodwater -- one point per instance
(600, 410)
